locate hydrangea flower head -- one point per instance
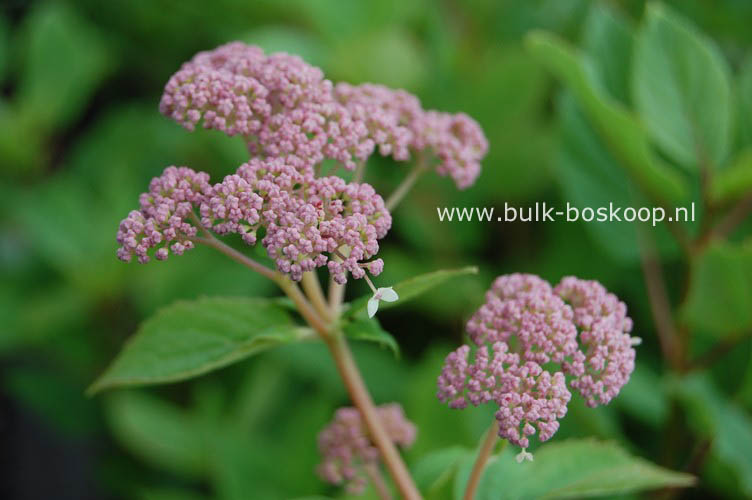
(605, 343)
(400, 127)
(281, 106)
(346, 446)
(164, 219)
(527, 339)
(308, 221)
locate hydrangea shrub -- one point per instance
(531, 346)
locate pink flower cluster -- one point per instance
(525, 328)
(292, 119)
(282, 106)
(347, 448)
(285, 108)
(605, 343)
(309, 222)
(397, 123)
(305, 218)
(164, 220)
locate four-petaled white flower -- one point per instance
(386, 294)
(524, 455)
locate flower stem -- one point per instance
(492, 436)
(343, 359)
(238, 257)
(374, 474)
(288, 286)
(359, 171)
(312, 288)
(406, 184)
(362, 400)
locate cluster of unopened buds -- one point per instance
(292, 119)
(349, 454)
(531, 343)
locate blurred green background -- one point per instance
(80, 137)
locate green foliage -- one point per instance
(571, 469)
(191, 338)
(412, 288)
(607, 40)
(435, 471)
(682, 91)
(745, 103)
(734, 182)
(721, 293)
(159, 433)
(619, 128)
(648, 98)
(64, 61)
(362, 327)
(723, 422)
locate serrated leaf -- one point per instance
(713, 416)
(734, 182)
(411, 288)
(575, 469)
(190, 338)
(369, 329)
(681, 89)
(720, 292)
(618, 128)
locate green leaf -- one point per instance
(190, 338)
(590, 177)
(437, 468)
(711, 415)
(158, 432)
(575, 469)
(64, 61)
(608, 39)
(169, 494)
(411, 288)
(720, 292)
(734, 182)
(681, 89)
(369, 329)
(744, 89)
(644, 397)
(4, 45)
(618, 128)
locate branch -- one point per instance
(492, 436)
(288, 286)
(238, 257)
(362, 400)
(406, 184)
(659, 301)
(312, 288)
(378, 481)
(718, 351)
(733, 218)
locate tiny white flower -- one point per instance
(524, 455)
(386, 294)
(635, 341)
